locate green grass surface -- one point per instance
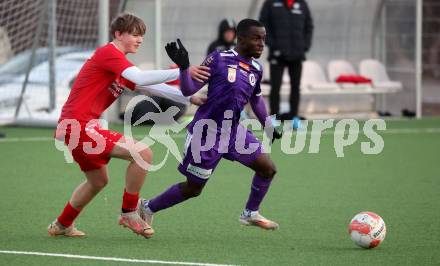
(313, 198)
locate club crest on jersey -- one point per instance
(252, 79)
(232, 74)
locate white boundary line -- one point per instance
(72, 256)
(181, 136)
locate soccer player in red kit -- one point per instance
(100, 82)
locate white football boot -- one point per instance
(254, 218)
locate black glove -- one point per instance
(179, 55)
(277, 134)
(274, 132)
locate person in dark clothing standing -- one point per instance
(226, 37)
(289, 26)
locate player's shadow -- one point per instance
(339, 249)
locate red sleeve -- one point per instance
(128, 84)
(111, 59)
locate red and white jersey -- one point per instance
(98, 85)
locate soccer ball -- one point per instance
(367, 229)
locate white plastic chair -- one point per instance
(313, 77)
(337, 68)
(376, 71)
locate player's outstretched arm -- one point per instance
(149, 77)
(190, 83)
(259, 108)
(163, 90)
(178, 54)
(200, 73)
(169, 92)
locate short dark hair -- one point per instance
(245, 24)
(126, 22)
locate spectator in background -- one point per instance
(289, 27)
(226, 37)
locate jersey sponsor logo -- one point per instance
(277, 4)
(199, 172)
(244, 66)
(296, 6)
(225, 54)
(232, 74)
(116, 89)
(252, 79)
(245, 73)
(208, 61)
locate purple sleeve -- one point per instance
(188, 86)
(259, 108)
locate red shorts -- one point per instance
(90, 146)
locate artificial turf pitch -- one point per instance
(313, 198)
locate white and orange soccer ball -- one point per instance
(367, 229)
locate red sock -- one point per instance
(129, 202)
(68, 215)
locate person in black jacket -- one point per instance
(226, 37)
(289, 27)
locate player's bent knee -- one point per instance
(269, 172)
(195, 192)
(191, 190)
(273, 170)
(191, 194)
(99, 184)
(147, 155)
(132, 150)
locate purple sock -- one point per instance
(168, 198)
(259, 188)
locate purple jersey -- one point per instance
(234, 79)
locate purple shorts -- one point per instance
(198, 166)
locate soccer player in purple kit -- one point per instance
(234, 81)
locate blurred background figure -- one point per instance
(289, 28)
(226, 37)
